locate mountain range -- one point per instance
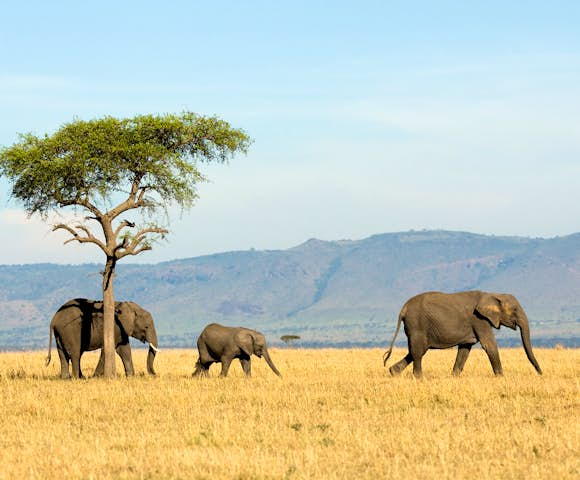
(330, 293)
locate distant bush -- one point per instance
(289, 339)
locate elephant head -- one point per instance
(138, 323)
(504, 309)
(254, 343)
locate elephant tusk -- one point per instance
(154, 348)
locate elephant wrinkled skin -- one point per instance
(442, 320)
(217, 343)
(78, 327)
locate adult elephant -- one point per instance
(443, 320)
(78, 327)
(222, 344)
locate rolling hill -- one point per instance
(329, 292)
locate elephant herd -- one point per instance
(432, 320)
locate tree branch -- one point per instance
(133, 247)
(132, 200)
(89, 238)
(122, 225)
(142, 190)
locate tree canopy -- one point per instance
(93, 159)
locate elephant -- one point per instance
(217, 343)
(78, 327)
(442, 320)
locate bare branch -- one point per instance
(142, 249)
(133, 247)
(122, 225)
(140, 235)
(89, 238)
(84, 229)
(62, 226)
(137, 251)
(90, 207)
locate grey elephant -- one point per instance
(217, 343)
(78, 327)
(442, 320)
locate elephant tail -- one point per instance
(387, 354)
(49, 345)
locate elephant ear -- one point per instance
(125, 313)
(489, 307)
(245, 341)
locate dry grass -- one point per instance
(335, 414)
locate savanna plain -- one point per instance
(334, 414)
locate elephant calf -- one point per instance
(222, 344)
(78, 327)
(443, 320)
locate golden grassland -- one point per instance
(335, 414)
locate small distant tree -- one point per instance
(289, 339)
(108, 167)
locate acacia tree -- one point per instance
(108, 168)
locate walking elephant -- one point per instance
(78, 327)
(222, 344)
(442, 320)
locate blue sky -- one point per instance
(367, 117)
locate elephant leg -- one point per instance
(417, 348)
(100, 368)
(226, 362)
(124, 351)
(204, 361)
(398, 367)
(490, 347)
(76, 365)
(462, 354)
(246, 366)
(201, 368)
(198, 369)
(64, 360)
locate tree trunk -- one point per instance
(109, 319)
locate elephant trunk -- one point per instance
(270, 363)
(153, 349)
(526, 341)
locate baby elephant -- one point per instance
(222, 344)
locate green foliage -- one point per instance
(97, 159)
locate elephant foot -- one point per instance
(395, 371)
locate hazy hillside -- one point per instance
(327, 292)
